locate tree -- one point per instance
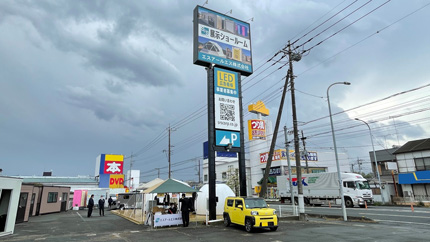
(233, 180)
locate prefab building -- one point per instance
(10, 189)
(53, 199)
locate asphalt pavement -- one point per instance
(75, 226)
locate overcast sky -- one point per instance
(83, 78)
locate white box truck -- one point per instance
(322, 188)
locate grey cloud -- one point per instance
(108, 54)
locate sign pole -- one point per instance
(242, 167)
(211, 144)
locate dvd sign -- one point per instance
(116, 181)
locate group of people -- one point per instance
(101, 205)
(187, 206)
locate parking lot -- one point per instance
(75, 226)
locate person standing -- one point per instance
(110, 201)
(102, 206)
(90, 205)
(185, 209)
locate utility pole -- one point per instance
(169, 152)
(296, 57)
(305, 152)
(359, 162)
(263, 191)
(130, 180)
(198, 160)
(290, 180)
(158, 172)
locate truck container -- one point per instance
(322, 188)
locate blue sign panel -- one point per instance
(223, 138)
(418, 177)
(205, 150)
(226, 154)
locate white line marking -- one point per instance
(395, 215)
(393, 221)
(80, 216)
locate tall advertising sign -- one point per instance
(222, 40)
(110, 169)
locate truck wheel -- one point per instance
(226, 220)
(349, 203)
(248, 225)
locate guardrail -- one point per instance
(285, 210)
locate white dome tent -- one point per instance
(222, 191)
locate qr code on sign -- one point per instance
(227, 112)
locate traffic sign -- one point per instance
(223, 138)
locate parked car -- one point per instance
(251, 212)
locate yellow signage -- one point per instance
(259, 107)
(116, 181)
(114, 158)
(257, 189)
(226, 79)
(237, 54)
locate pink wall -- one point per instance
(77, 198)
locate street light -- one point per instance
(374, 157)
(335, 151)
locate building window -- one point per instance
(422, 164)
(206, 177)
(224, 175)
(52, 197)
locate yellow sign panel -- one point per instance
(114, 158)
(226, 79)
(259, 107)
(116, 181)
(257, 189)
(237, 54)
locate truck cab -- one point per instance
(356, 190)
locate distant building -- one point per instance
(413, 161)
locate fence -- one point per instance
(415, 200)
(285, 210)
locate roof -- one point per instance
(149, 184)
(170, 186)
(385, 155)
(415, 145)
(58, 180)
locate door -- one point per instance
(21, 207)
(237, 212)
(4, 206)
(32, 204)
(64, 202)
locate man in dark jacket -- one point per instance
(185, 209)
(110, 201)
(102, 206)
(90, 205)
